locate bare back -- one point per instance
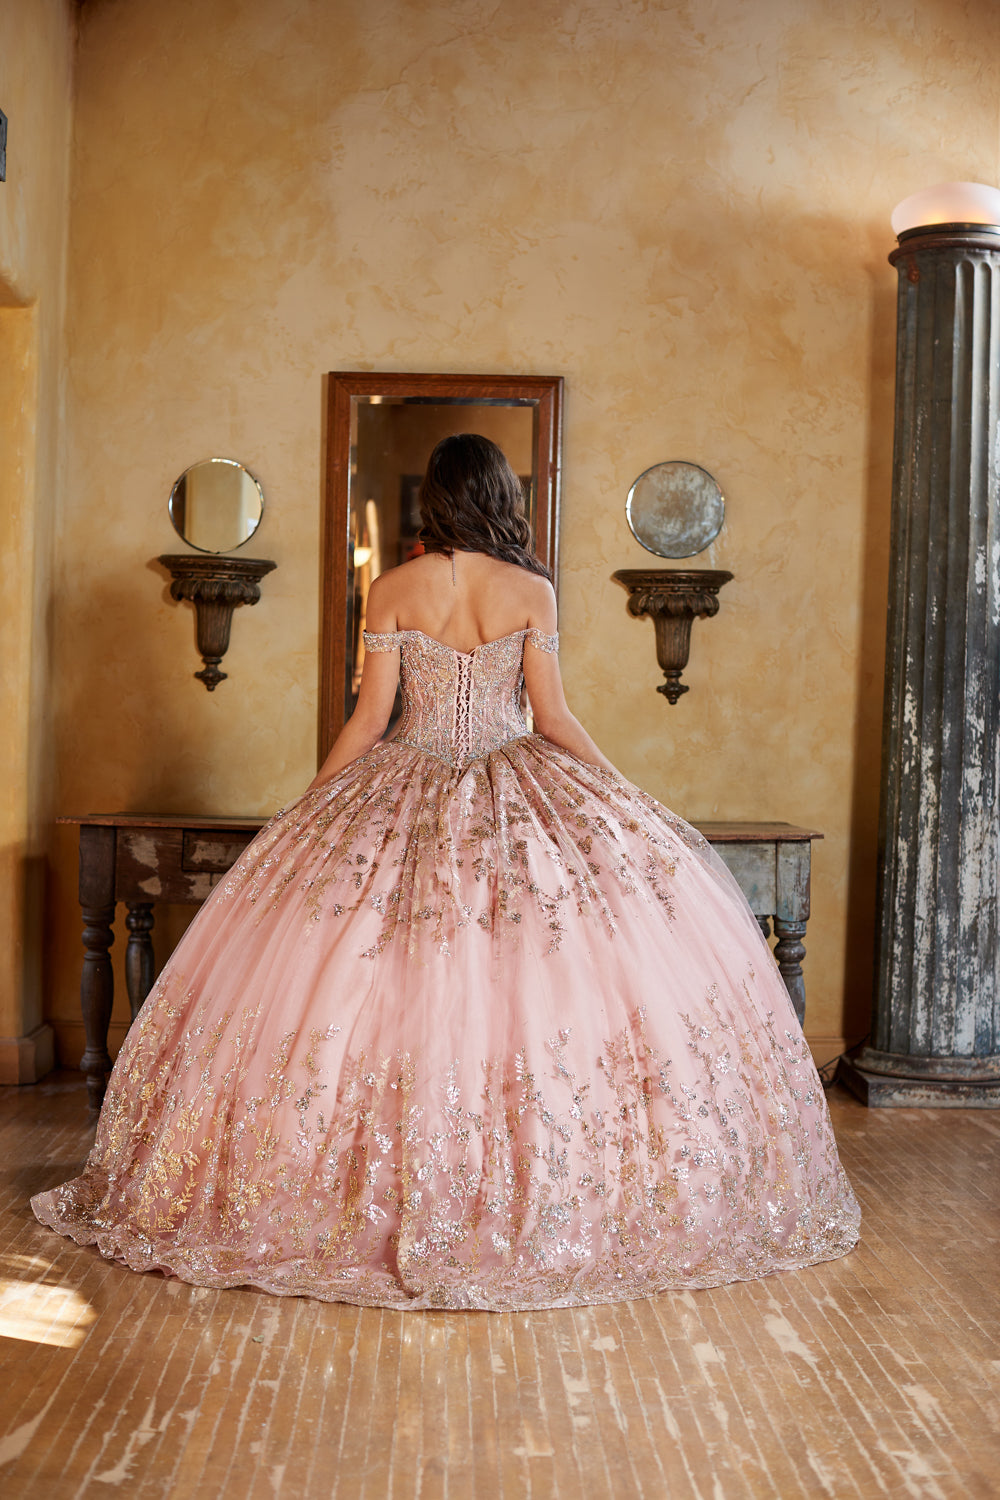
(486, 599)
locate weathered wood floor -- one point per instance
(877, 1375)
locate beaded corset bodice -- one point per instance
(460, 705)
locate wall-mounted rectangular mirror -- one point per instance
(380, 432)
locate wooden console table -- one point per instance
(772, 863)
(141, 859)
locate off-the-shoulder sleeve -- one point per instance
(387, 642)
(541, 641)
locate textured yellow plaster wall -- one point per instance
(36, 47)
(682, 208)
(18, 374)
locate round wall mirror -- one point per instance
(216, 505)
(675, 509)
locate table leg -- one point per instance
(790, 951)
(97, 993)
(764, 923)
(140, 967)
(97, 984)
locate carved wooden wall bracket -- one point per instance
(673, 598)
(215, 586)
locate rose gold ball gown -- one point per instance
(475, 1024)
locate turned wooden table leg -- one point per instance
(790, 951)
(97, 984)
(97, 993)
(139, 964)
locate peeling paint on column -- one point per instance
(936, 1021)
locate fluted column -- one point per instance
(936, 1024)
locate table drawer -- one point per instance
(212, 851)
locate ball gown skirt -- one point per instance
(475, 1025)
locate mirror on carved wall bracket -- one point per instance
(380, 432)
(216, 505)
(675, 509)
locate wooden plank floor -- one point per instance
(876, 1375)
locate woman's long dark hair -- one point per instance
(471, 501)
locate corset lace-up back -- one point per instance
(457, 705)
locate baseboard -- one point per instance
(71, 1040)
(26, 1059)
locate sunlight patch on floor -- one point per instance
(38, 1312)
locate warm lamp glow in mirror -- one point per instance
(381, 430)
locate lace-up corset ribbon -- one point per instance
(460, 705)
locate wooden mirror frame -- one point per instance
(542, 392)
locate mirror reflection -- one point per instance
(381, 430)
(391, 443)
(216, 505)
(675, 509)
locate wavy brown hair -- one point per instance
(471, 501)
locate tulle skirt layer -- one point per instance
(501, 1037)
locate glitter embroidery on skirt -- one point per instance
(474, 1025)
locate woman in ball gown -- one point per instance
(474, 1022)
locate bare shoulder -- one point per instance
(397, 585)
(522, 591)
(407, 574)
(540, 598)
(388, 595)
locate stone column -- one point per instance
(935, 1037)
